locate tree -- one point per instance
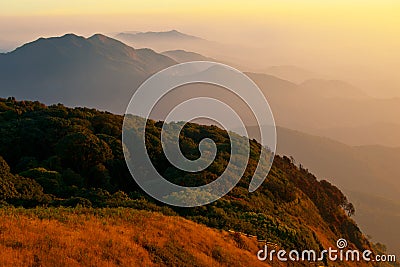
(50, 180)
(4, 168)
(30, 193)
(7, 189)
(350, 209)
(80, 151)
(71, 178)
(99, 177)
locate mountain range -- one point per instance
(293, 73)
(97, 71)
(368, 175)
(103, 73)
(355, 118)
(171, 35)
(182, 56)
(176, 40)
(161, 41)
(69, 69)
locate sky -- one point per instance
(353, 40)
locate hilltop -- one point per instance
(58, 156)
(97, 71)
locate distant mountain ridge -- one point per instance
(98, 71)
(173, 40)
(141, 36)
(332, 88)
(292, 73)
(182, 56)
(368, 175)
(163, 40)
(102, 72)
(372, 134)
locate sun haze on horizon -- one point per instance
(353, 40)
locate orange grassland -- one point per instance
(116, 237)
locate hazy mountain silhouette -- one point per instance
(331, 88)
(345, 165)
(380, 218)
(103, 73)
(175, 40)
(341, 106)
(292, 73)
(70, 69)
(368, 174)
(171, 35)
(376, 133)
(319, 104)
(162, 41)
(97, 72)
(182, 56)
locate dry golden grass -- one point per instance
(116, 237)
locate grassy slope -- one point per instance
(120, 237)
(116, 237)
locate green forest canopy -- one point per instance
(59, 156)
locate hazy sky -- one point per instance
(356, 40)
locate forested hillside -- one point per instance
(59, 156)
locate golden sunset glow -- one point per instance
(382, 15)
(351, 38)
(339, 9)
